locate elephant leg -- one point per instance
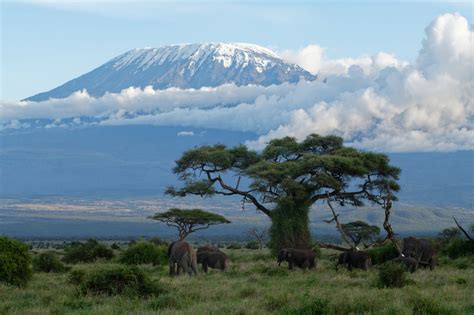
(432, 264)
(349, 266)
(312, 264)
(204, 267)
(290, 264)
(172, 268)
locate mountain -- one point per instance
(184, 66)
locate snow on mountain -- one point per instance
(184, 66)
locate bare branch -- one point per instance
(462, 230)
(339, 227)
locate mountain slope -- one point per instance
(184, 66)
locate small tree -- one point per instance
(360, 231)
(188, 221)
(449, 233)
(260, 235)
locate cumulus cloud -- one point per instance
(375, 102)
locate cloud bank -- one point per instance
(374, 102)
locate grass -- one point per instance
(254, 284)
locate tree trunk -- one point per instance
(290, 225)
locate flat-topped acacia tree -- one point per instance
(188, 221)
(287, 178)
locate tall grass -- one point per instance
(254, 284)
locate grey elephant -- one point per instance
(419, 249)
(410, 263)
(301, 258)
(212, 257)
(182, 256)
(354, 259)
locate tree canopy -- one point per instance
(188, 221)
(360, 231)
(287, 177)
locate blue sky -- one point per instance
(44, 44)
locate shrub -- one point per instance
(234, 246)
(459, 248)
(158, 241)
(116, 279)
(252, 245)
(115, 246)
(316, 307)
(144, 252)
(15, 262)
(391, 275)
(383, 253)
(48, 262)
(86, 252)
(76, 276)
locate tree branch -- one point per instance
(339, 227)
(245, 194)
(462, 230)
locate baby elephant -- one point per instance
(301, 258)
(212, 257)
(354, 259)
(410, 263)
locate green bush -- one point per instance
(15, 262)
(115, 246)
(383, 253)
(116, 280)
(76, 276)
(144, 252)
(48, 262)
(459, 248)
(86, 252)
(391, 275)
(234, 246)
(158, 241)
(252, 245)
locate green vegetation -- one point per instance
(15, 261)
(287, 178)
(458, 247)
(86, 252)
(254, 284)
(187, 221)
(391, 275)
(117, 280)
(382, 253)
(144, 252)
(48, 262)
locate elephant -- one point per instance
(354, 259)
(410, 263)
(182, 255)
(301, 258)
(419, 249)
(212, 259)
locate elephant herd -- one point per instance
(183, 257)
(415, 252)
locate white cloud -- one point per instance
(185, 133)
(374, 102)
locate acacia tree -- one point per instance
(187, 221)
(360, 231)
(287, 178)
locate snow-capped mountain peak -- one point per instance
(184, 66)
